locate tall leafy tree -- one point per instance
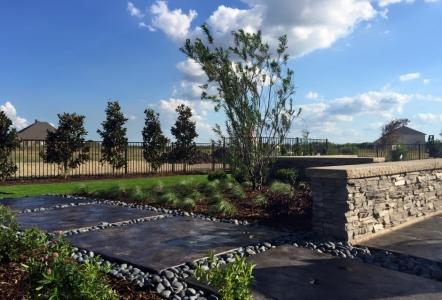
(114, 144)
(154, 142)
(253, 87)
(8, 142)
(389, 135)
(184, 132)
(66, 146)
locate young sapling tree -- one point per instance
(66, 146)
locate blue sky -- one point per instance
(357, 63)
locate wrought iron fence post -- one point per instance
(173, 161)
(419, 150)
(377, 150)
(213, 156)
(224, 154)
(125, 158)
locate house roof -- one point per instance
(36, 131)
(404, 130)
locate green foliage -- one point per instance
(237, 191)
(55, 275)
(115, 192)
(241, 177)
(212, 187)
(281, 188)
(136, 194)
(259, 200)
(223, 207)
(400, 150)
(197, 196)
(8, 142)
(168, 198)
(232, 281)
(255, 93)
(246, 184)
(114, 143)
(218, 174)
(187, 203)
(66, 146)
(154, 142)
(82, 190)
(349, 149)
(184, 132)
(158, 187)
(286, 175)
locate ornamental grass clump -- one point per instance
(158, 187)
(259, 200)
(238, 192)
(232, 281)
(212, 188)
(82, 190)
(136, 194)
(187, 203)
(168, 198)
(223, 207)
(281, 188)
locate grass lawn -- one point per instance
(18, 191)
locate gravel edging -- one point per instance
(170, 285)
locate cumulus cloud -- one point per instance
(11, 113)
(426, 81)
(409, 76)
(166, 108)
(131, 117)
(428, 118)
(383, 3)
(309, 24)
(174, 23)
(312, 95)
(134, 11)
(373, 126)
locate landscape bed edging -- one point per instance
(356, 202)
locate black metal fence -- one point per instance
(389, 152)
(209, 157)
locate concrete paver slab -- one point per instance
(169, 242)
(38, 201)
(285, 273)
(80, 216)
(422, 239)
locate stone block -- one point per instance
(378, 228)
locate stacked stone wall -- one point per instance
(356, 208)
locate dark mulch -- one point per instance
(292, 213)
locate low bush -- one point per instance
(218, 174)
(286, 175)
(259, 200)
(222, 207)
(400, 153)
(232, 281)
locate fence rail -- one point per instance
(209, 157)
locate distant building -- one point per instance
(406, 136)
(35, 134)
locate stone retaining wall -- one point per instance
(302, 162)
(359, 201)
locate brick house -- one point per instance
(34, 134)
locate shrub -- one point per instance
(259, 200)
(57, 276)
(136, 194)
(158, 187)
(212, 187)
(218, 174)
(281, 188)
(240, 177)
(238, 192)
(286, 175)
(197, 196)
(400, 150)
(349, 149)
(223, 207)
(187, 203)
(232, 281)
(168, 198)
(82, 189)
(115, 192)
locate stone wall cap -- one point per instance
(318, 156)
(375, 169)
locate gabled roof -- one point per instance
(407, 130)
(404, 130)
(36, 131)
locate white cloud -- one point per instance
(134, 11)
(309, 24)
(175, 23)
(426, 81)
(312, 95)
(409, 76)
(168, 115)
(11, 113)
(428, 118)
(131, 117)
(429, 1)
(368, 25)
(384, 13)
(383, 3)
(374, 126)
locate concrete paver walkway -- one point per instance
(422, 239)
